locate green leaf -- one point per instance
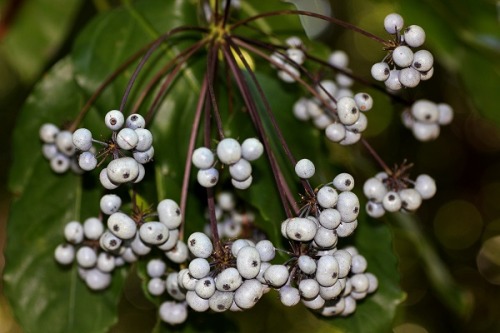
(36, 34)
(46, 297)
(453, 295)
(127, 29)
(313, 26)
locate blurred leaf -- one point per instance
(447, 289)
(36, 33)
(313, 26)
(46, 297)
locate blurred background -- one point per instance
(452, 276)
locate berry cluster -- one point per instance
(94, 266)
(98, 250)
(58, 149)
(346, 124)
(230, 153)
(236, 283)
(424, 118)
(234, 274)
(409, 67)
(323, 277)
(340, 117)
(329, 282)
(133, 137)
(329, 215)
(288, 63)
(392, 192)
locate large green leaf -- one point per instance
(46, 297)
(36, 34)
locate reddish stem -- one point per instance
(249, 102)
(308, 87)
(171, 77)
(211, 70)
(186, 53)
(376, 156)
(311, 14)
(148, 54)
(192, 141)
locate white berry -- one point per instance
(305, 168)
(114, 120)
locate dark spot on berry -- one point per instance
(116, 227)
(59, 162)
(112, 242)
(417, 64)
(404, 203)
(226, 287)
(354, 110)
(427, 116)
(220, 307)
(298, 235)
(391, 197)
(192, 242)
(113, 121)
(173, 292)
(178, 211)
(255, 263)
(365, 96)
(213, 180)
(334, 275)
(126, 175)
(133, 118)
(369, 207)
(207, 283)
(347, 182)
(256, 299)
(387, 71)
(159, 237)
(149, 227)
(356, 210)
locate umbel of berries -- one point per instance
(425, 118)
(232, 154)
(395, 192)
(403, 67)
(130, 146)
(58, 148)
(335, 108)
(99, 250)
